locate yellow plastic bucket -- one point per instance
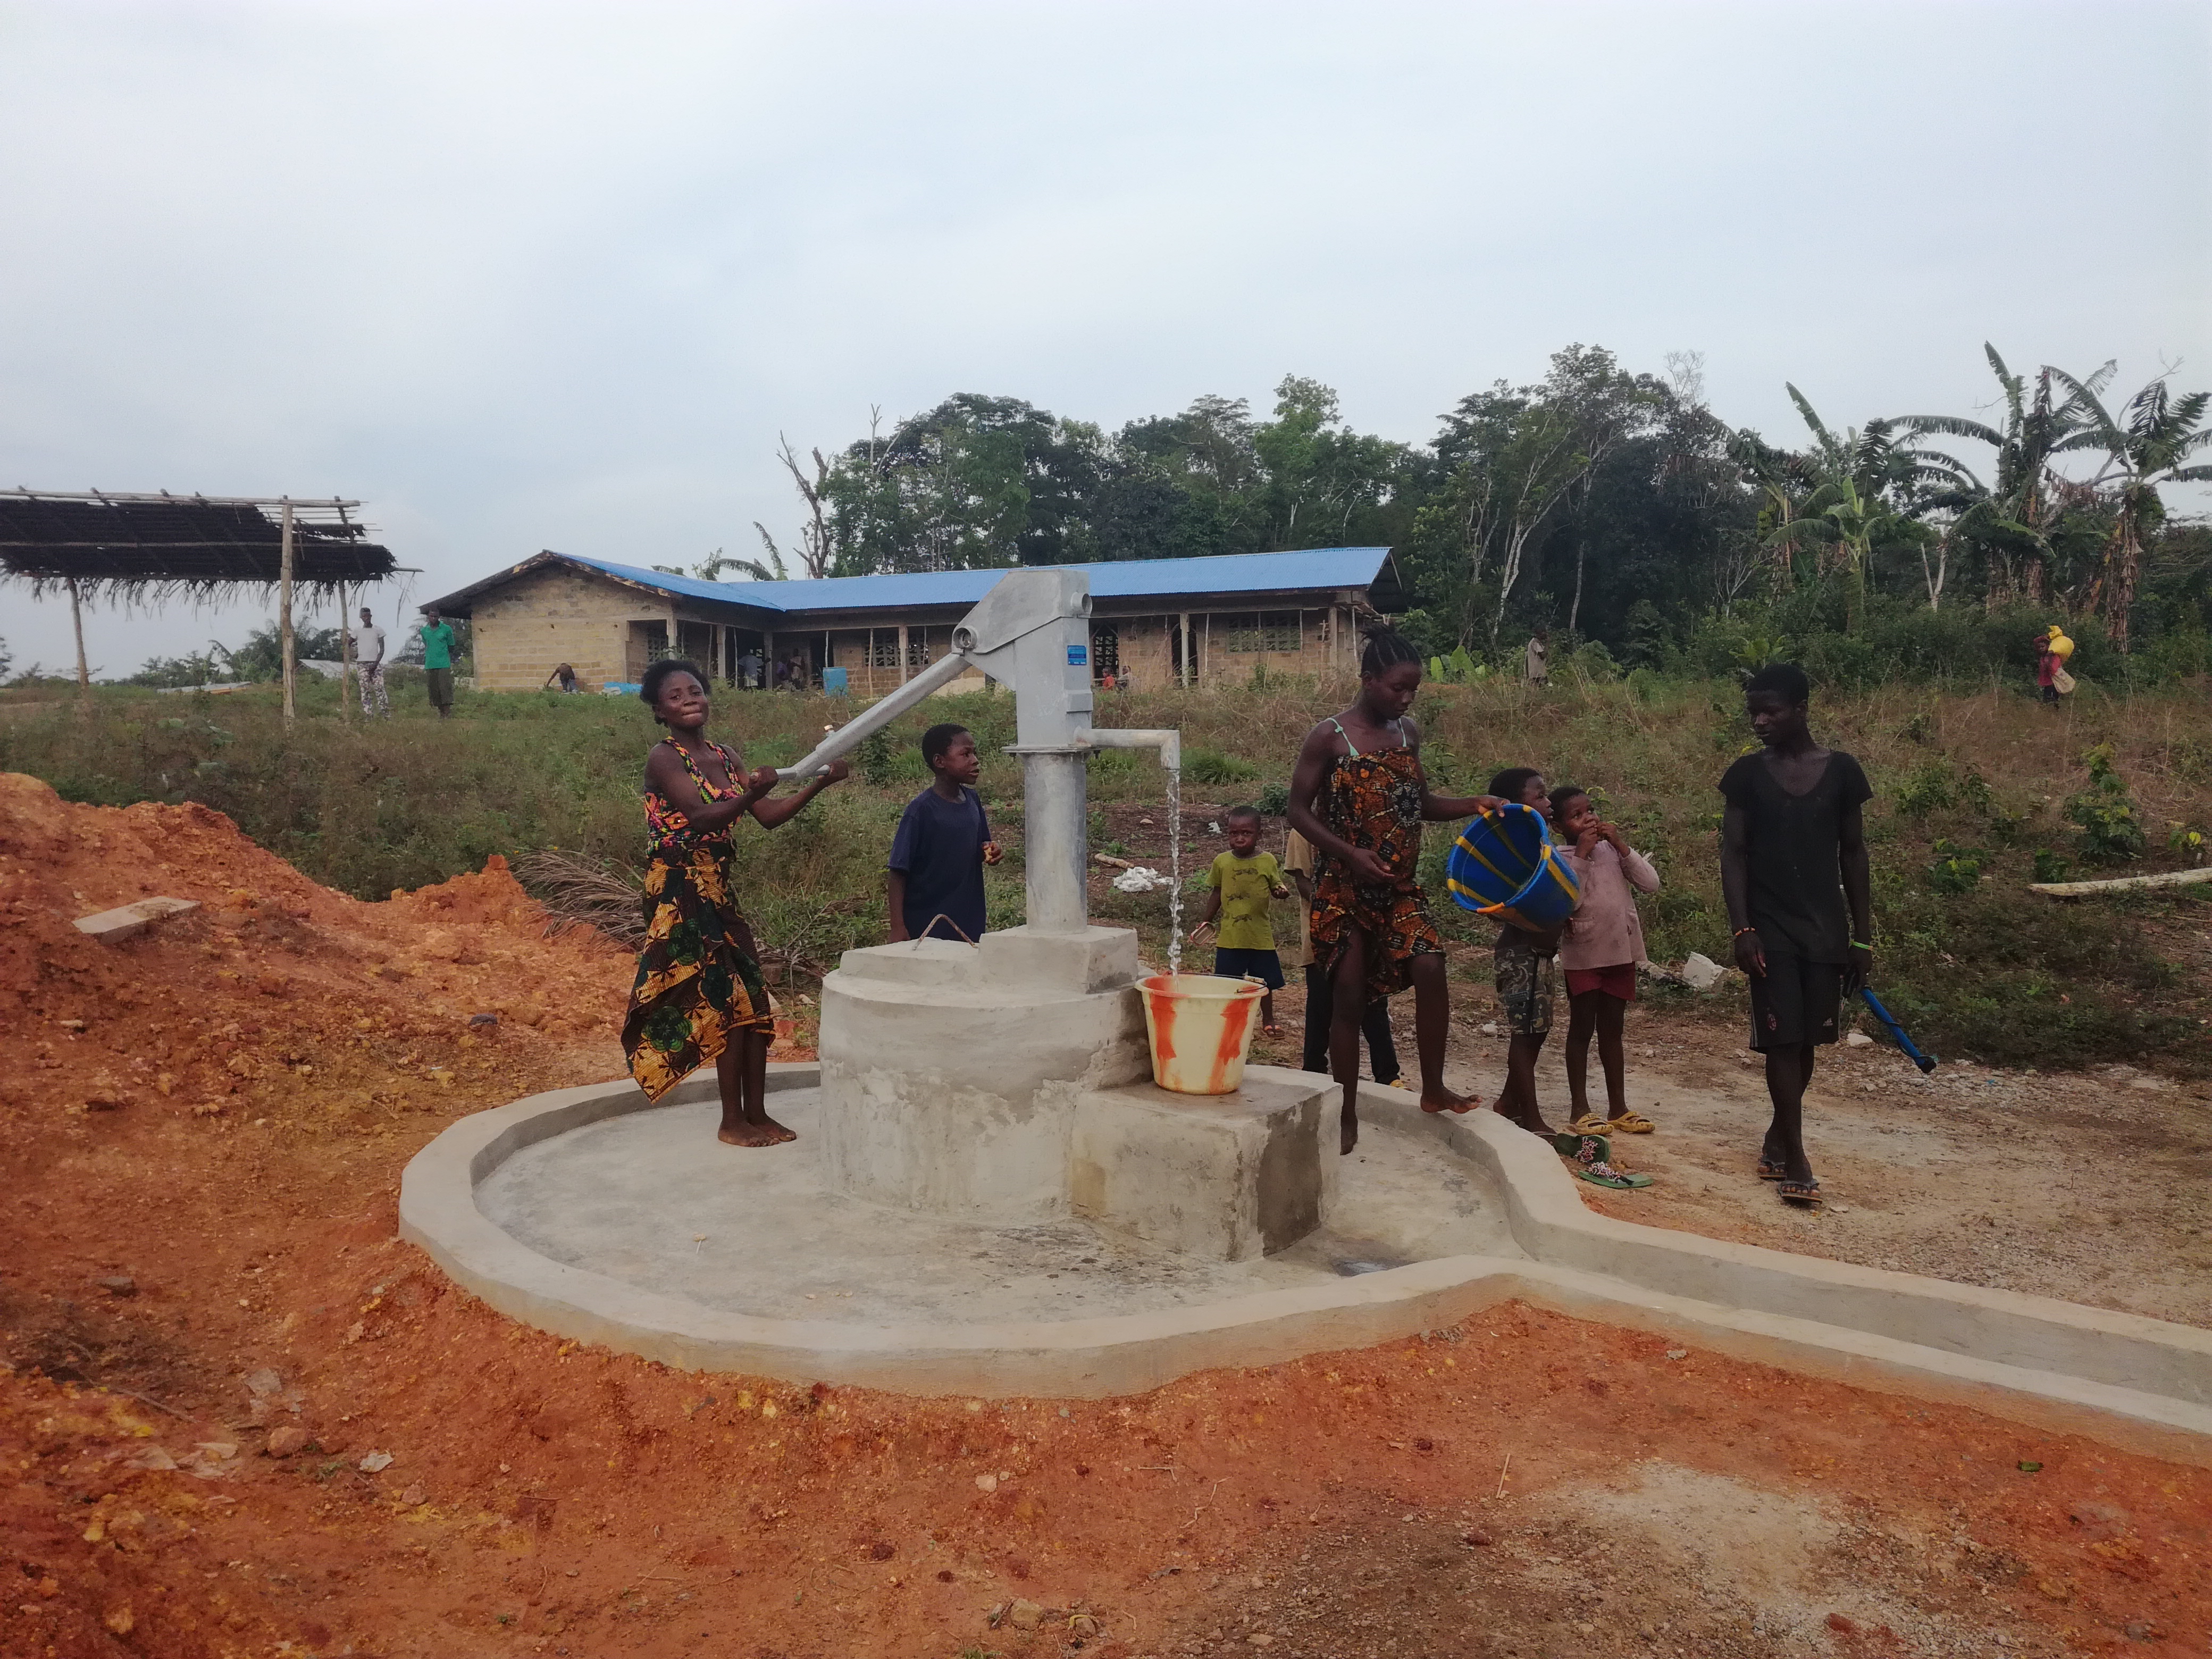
(1201, 1027)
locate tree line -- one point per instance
(1606, 504)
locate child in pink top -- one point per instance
(1603, 944)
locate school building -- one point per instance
(1153, 622)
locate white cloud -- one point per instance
(523, 276)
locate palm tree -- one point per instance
(2159, 434)
(2013, 517)
(1784, 480)
(1870, 488)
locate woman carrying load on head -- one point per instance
(699, 994)
(1359, 795)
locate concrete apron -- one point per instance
(2141, 1384)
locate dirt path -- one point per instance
(2097, 1188)
(237, 1418)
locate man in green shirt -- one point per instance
(438, 660)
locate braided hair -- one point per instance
(1385, 649)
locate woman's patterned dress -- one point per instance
(1374, 801)
(697, 979)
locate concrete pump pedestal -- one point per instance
(950, 1071)
(1010, 1081)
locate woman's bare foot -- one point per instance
(1441, 1099)
(777, 1130)
(742, 1133)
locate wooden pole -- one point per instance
(284, 615)
(902, 670)
(346, 653)
(1184, 652)
(76, 626)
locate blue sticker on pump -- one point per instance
(1078, 656)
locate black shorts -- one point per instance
(1796, 1003)
(1266, 966)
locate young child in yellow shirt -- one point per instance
(1243, 880)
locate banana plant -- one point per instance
(2150, 446)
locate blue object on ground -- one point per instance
(833, 681)
(1925, 1062)
(621, 689)
(1505, 865)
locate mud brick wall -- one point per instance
(526, 629)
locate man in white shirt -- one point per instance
(368, 663)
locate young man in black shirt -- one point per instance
(1793, 857)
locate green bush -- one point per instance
(1956, 869)
(2110, 823)
(1211, 766)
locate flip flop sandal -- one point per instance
(1605, 1175)
(1771, 1171)
(1632, 1123)
(1582, 1149)
(1805, 1194)
(1589, 1123)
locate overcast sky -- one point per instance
(525, 277)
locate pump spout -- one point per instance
(1167, 740)
(877, 715)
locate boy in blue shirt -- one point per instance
(943, 841)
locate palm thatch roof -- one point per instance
(148, 546)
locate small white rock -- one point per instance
(376, 1462)
(1859, 1039)
(1701, 971)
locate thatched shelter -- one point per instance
(138, 548)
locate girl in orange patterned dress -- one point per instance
(699, 994)
(1359, 795)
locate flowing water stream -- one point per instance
(1175, 870)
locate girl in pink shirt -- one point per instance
(1599, 951)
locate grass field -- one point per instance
(1972, 791)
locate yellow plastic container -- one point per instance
(1201, 1027)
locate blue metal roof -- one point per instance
(1124, 578)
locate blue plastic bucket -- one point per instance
(1505, 865)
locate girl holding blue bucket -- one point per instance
(1359, 795)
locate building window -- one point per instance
(883, 651)
(1275, 631)
(1105, 653)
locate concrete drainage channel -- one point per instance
(594, 1214)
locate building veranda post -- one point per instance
(1154, 622)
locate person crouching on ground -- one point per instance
(1359, 795)
(699, 994)
(1242, 882)
(1298, 861)
(935, 887)
(1599, 954)
(1793, 860)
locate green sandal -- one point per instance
(1604, 1174)
(1582, 1148)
